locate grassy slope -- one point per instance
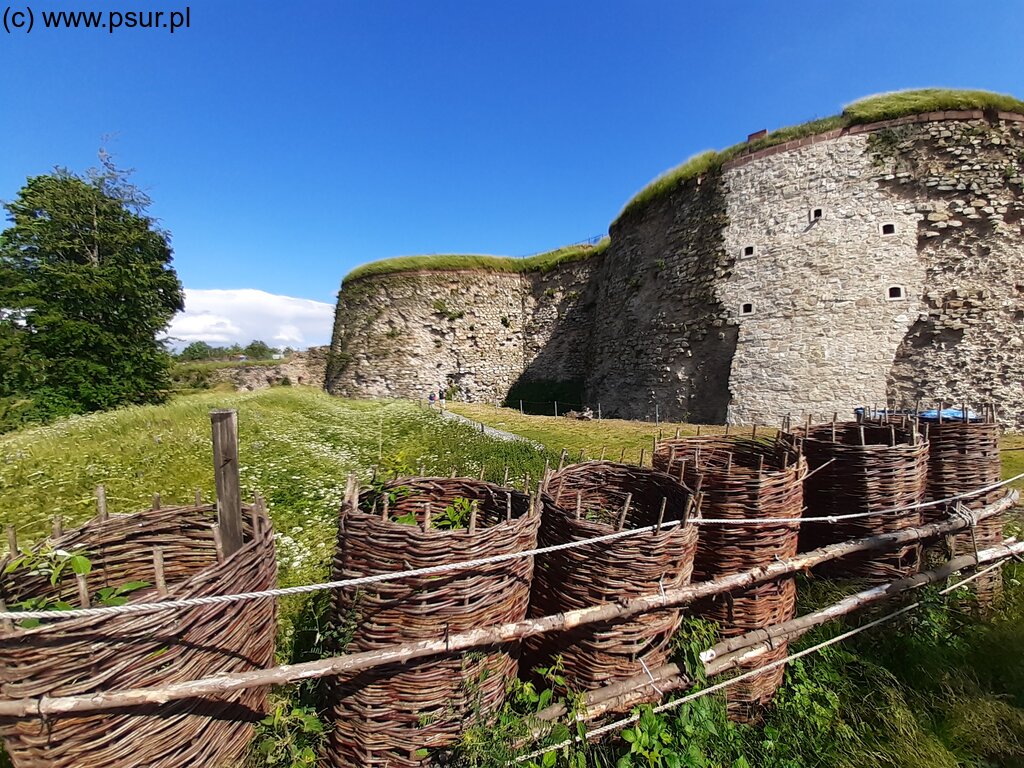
(884, 106)
(612, 435)
(297, 446)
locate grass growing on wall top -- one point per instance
(883, 106)
(542, 262)
(888, 106)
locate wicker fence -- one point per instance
(87, 655)
(386, 716)
(593, 499)
(858, 472)
(743, 478)
(744, 494)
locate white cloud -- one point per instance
(227, 316)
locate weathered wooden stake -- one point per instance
(225, 470)
(199, 498)
(218, 540)
(12, 539)
(158, 571)
(661, 514)
(556, 408)
(504, 481)
(6, 624)
(625, 512)
(101, 502)
(156, 501)
(643, 453)
(426, 516)
(508, 506)
(58, 527)
(579, 504)
(598, 411)
(83, 590)
(472, 516)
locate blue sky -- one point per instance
(284, 143)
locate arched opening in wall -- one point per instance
(814, 214)
(889, 229)
(747, 308)
(748, 250)
(895, 292)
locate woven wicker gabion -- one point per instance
(857, 469)
(963, 456)
(84, 655)
(589, 500)
(743, 478)
(385, 716)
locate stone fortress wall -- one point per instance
(869, 264)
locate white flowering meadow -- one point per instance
(297, 447)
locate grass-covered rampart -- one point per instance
(454, 262)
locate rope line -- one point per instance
(193, 602)
(618, 724)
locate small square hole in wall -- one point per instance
(814, 214)
(895, 292)
(888, 229)
(747, 308)
(748, 250)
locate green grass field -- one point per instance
(937, 689)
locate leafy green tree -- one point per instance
(86, 288)
(259, 350)
(198, 350)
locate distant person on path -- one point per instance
(431, 398)
(440, 394)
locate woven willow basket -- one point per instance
(964, 456)
(742, 478)
(387, 715)
(858, 469)
(588, 500)
(86, 655)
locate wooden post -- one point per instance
(199, 498)
(225, 469)
(598, 410)
(156, 501)
(521, 412)
(58, 527)
(657, 415)
(12, 539)
(158, 571)
(218, 542)
(101, 502)
(83, 590)
(6, 625)
(556, 408)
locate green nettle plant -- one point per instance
(55, 565)
(289, 737)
